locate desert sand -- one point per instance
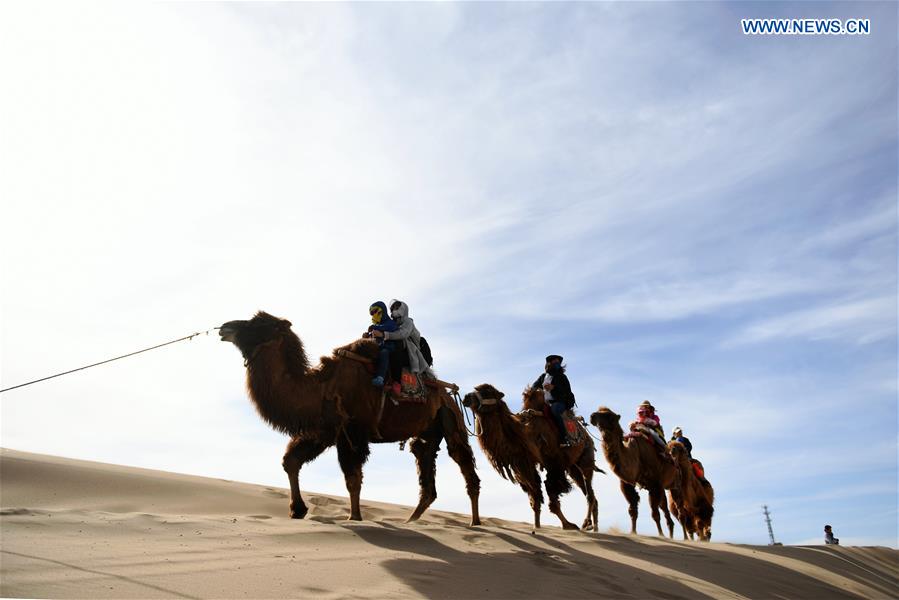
(77, 529)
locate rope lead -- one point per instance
(187, 337)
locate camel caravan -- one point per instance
(381, 388)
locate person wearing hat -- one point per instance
(557, 393)
(646, 416)
(698, 469)
(678, 436)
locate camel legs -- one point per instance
(683, 523)
(556, 485)
(668, 520)
(656, 499)
(633, 503)
(584, 481)
(352, 452)
(460, 451)
(425, 450)
(529, 481)
(299, 451)
(678, 514)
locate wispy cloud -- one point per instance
(862, 322)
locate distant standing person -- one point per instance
(828, 536)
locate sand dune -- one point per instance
(76, 529)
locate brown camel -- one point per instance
(336, 404)
(692, 502)
(636, 462)
(517, 444)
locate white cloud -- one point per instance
(862, 322)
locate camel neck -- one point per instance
(500, 428)
(284, 394)
(614, 448)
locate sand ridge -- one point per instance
(77, 529)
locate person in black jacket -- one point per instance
(557, 393)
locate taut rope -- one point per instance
(187, 337)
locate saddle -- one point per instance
(652, 438)
(410, 388)
(574, 425)
(699, 471)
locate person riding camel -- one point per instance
(408, 337)
(698, 469)
(381, 324)
(651, 424)
(678, 436)
(557, 394)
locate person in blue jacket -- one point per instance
(381, 323)
(678, 436)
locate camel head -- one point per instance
(606, 419)
(532, 398)
(484, 398)
(679, 452)
(248, 336)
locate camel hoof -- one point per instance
(570, 526)
(298, 513)
(354, 518)
(475, 522)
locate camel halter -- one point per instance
(482, 401)
(248, 361)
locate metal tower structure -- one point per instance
(768, 521)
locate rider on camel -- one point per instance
(557, 393)
(651, 424)
(381, 324)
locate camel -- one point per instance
(692, 502)
(336, 404)
(636, 462)
(517, 444)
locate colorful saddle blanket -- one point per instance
(698, 470)
(410, 388)
(574, 425)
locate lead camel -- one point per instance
(335, 404)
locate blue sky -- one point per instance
(692, 216)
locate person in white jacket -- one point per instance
(408, 334)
